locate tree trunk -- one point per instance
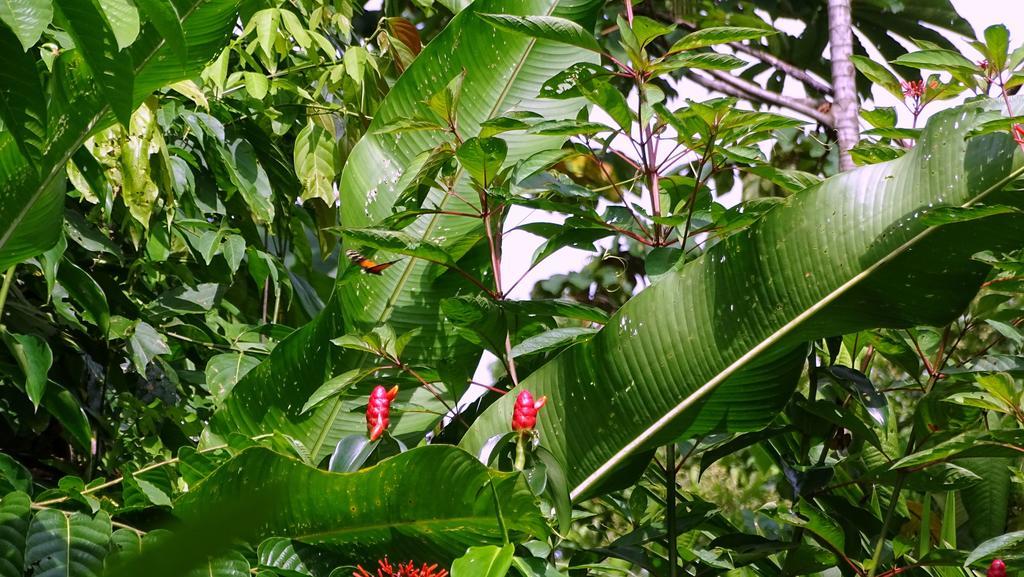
(844, 85)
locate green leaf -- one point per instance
(234, 564)
(335, 386)
(951, 214)
(123, 17)
(994, 546)
(65, 407)
(482, 158)
(163, 15)
(248, 175)
(15, 513)
(701, 61)
(879, 75)
(351, 453)
(315, 163)
(997, 44)
(22, 103)
(937, 59)
(552, 340)
(489, 561)
(987, 502)
(225, 370)
(544, 27)
(146, 344)
(429, 503)
(67, 544)
(399, 243)
(112, 69)
(655, 373)
(13, 476)
(34, 358)
(27, 18)
(718, 35)
(86, 292)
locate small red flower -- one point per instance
(386, 569)
(913, 88)
(524, 415)
(997, 568)
(379, 411)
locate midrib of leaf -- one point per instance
(427, 526)
(620, 455)
(66, 154)
(67, 544)
(434, 218)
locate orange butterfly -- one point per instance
(368, 266)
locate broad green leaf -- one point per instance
(27, 19)
(489, 561)
(996, 443)
(22, 104)
(718, 35)
(544, 27)
(701, 61)
(15, 513)
(146, 344)
(86, 293)
(997, 43)
(66, 544)
(34, 357)
(937, 60)
(123, 17)
(315, 163)
(163, 15)
(429, 504)
(988, 501)
(112, 69)
(682, 359)
(994, 546)
(951, 214)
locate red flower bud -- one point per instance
(524, 415)
(378, 411)
(997, 568)
(1018, 133)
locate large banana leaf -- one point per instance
(428, 504)
(718, 344)
(503, 71)
(31, 189)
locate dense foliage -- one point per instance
(252, 255)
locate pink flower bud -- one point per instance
(997, 568)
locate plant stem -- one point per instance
(8, 278)
(520, 463)
(880, 545)
(670, 509)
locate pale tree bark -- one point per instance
(844, 86)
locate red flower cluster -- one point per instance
(524, 415)
(997, 568)
(913, 88)
(379, 411)
(386, 569)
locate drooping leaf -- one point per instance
(546, 27)
(27, 19)
(34, 358)
(718, 35)
(429, 503)
(315, 165)
(22, 104)
(634, 387)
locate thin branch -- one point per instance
(845, 103)
(765, 57)
(755, 93)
